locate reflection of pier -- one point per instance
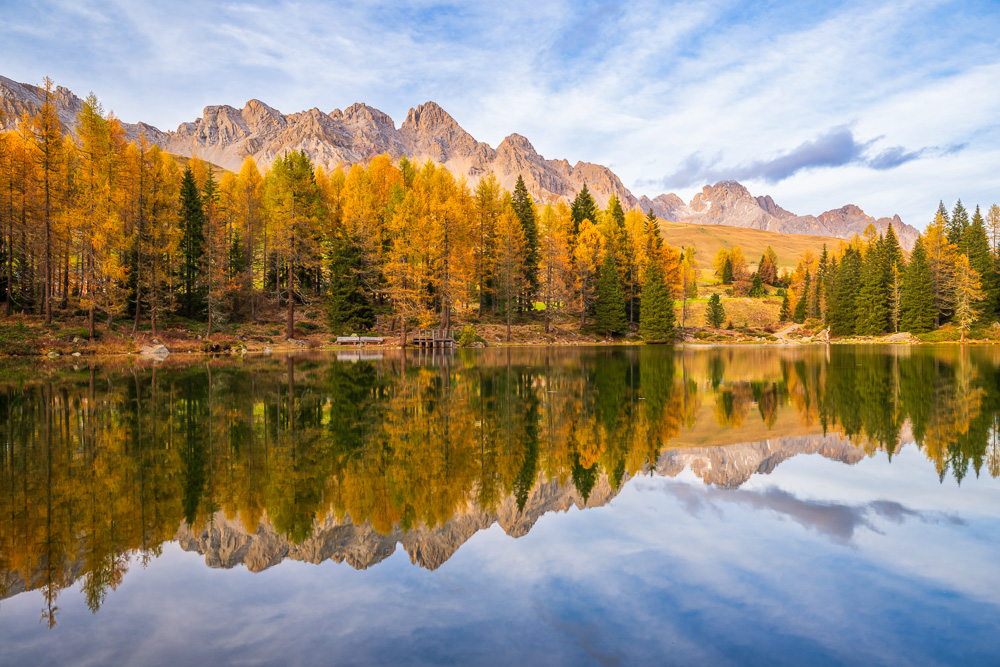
(359, 355)
(434, 338)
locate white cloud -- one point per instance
(638, 86)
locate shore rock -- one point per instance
(155, 351)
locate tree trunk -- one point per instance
(291, 301)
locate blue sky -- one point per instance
(889, 106)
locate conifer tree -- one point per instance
(47, 132)
(656, 315)
(727, 271)
(967, 293)
(917, 297)
(786, 309)
(802, 305)
(510, 255)
(767, 269)
(524, 206)
(348, 306)
(609, 309)
(584, 208)
(757, 287)
(192, 243)
(554, 261)
(871, 311)
(993, 225)
(716, 314)
(977, 249)
(958, 225)
(941, 262)
(816, 304)
(842, 311)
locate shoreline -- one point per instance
(28, 337)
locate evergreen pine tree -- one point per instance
(943, 212)
(609, 309)
(842, 311)
(958, 225)
(786, 309)
(348, 307)
(524, 207)
(584, 208)
(830, 289)
(871, 312)
(917, 298)
(192, 243)
(727, 272)
(757, 287)
(716, 314)
(802, 307)
(977, 248)
(816, 304)
(656, 314)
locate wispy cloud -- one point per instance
(836, 520)
(835, 148)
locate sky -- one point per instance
(891, 106)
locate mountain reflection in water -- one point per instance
(253, 461)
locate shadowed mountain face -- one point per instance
(312, 459)
(226, 136)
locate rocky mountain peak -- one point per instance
(428, 116)
(517, 142)
(768, 205)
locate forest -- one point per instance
(118, 232)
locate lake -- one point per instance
(609, 505)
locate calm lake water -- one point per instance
(641, 505)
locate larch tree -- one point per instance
(554, 227)
(250, 189)
(993, 221)
(587, 258)
(487, 206)
(941, 257)
(47, 132)
(689, 281)
(294, 206)
(967, 294)
(511, 250)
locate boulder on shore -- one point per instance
(155, 351)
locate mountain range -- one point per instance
(226, 136)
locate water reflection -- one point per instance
(314, 458)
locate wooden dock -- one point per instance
(359, 340)
(434, 338)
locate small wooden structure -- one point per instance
(359, 340)
(434, 338)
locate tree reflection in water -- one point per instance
(105, 464)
